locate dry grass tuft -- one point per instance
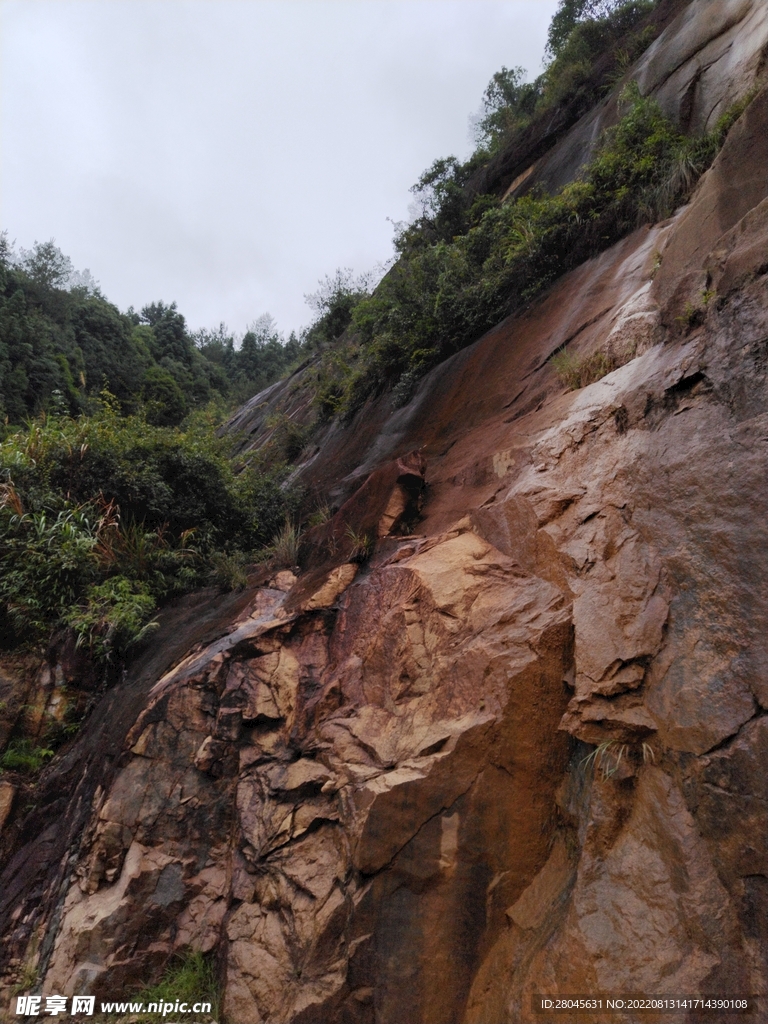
(579, 371)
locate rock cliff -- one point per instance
(504, 732)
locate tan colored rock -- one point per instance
(95, 928)
(400, 802)
(297, 775)
(332, 587)
(632, 922)
(628, 918)
(599, 720)
(200, 924)
(7, 794)
(739, 254)
(714, 53)
(396, 506)
(269, 684)
(729, 778)
(283, 581)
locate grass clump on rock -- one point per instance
(189, 979)
(578, 371)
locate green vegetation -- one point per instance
(62, 343)
(285, 549)
(117, 493)
(694, 313)
(509, 103)
(590, 46)
(592, 43)
(333, 304)
(289, 438)
(363, 544)
(445, 291)
(190, 978)
(321, 514)
(26, 979)
(104, 517)
(229, 571)
(24, 756)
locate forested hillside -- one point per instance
(115, 491)
(62, 343)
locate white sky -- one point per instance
(226, 154)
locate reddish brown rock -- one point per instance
(519, 749)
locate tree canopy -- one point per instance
(62, 343)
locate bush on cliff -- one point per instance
(590, 46)
(444, 293)
(584, 32)
(104, 517)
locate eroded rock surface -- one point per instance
(332, 782)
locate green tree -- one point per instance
(570, 13)
(508, 103)
(217, 345)
(170, 331)
(261, 357)
(166, 404)
(46, 264)
(333, 304)
(110, 354)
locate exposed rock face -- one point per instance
(706, 60)
(521, 749)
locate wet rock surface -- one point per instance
(518, 743)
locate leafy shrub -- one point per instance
(47, 559)
(167, 479)
(333, 304)
(115, 615)
(229, 571)
(165, 402)
(509, 103)
(592, 30)
(104, 517)
(289, 438)
(571, 13)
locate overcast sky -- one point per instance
(226, 154)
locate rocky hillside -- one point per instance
(503, 731)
